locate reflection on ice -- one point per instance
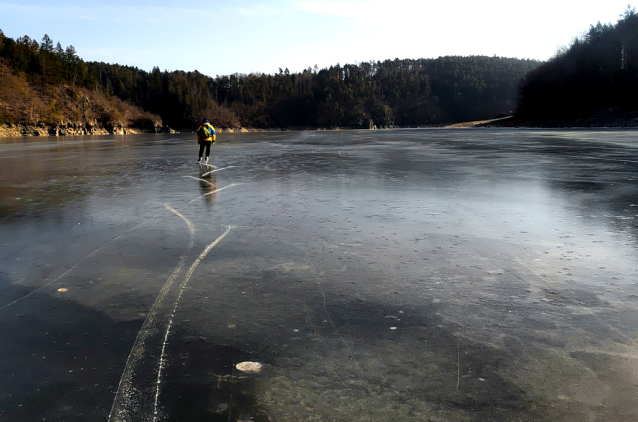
(382, 275)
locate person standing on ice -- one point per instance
(205, 138)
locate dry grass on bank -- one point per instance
(28, 102)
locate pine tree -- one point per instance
(47, 44)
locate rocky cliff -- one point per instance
(31, 108)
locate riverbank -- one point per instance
(479, 123)
(76, 129)
(630, 121)
(82, 129)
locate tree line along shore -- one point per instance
(46, 89)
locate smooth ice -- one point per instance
(432, 275)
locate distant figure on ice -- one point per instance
(205, 138)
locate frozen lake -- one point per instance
(430, 275)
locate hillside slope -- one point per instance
(47, 91)
(594, 82)
(42, 109)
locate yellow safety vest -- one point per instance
(212, 137)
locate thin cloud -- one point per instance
(258, 9)
(345, 9)
(399, 13)
(104, 13)
(67, 12)
(380, 12)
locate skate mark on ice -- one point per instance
(215, 191)
(181, 288)
(132, 397)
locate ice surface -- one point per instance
(462, 275)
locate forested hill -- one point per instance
(596, 77)
(41, 82)
(46, 89)
(389, 93)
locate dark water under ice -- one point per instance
(431, 275)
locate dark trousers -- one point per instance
(202, 145)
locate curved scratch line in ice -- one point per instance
(182, 287)
(77, 263)
(191, 228)
(215, 191)
(120, 403)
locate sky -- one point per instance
(248, 36)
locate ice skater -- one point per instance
(205, 138)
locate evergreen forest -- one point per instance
(390, 93)
(401, 93)
(596, 76)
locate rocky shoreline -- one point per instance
(83, 129)
(76, 129)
